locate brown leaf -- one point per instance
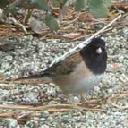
(72, 35)
(121, 5)
(86, 17)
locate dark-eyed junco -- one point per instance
(79, 72)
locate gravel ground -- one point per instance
(28, 55)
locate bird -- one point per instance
(81, 71)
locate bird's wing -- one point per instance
(63, 67)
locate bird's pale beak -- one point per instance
(99, 50)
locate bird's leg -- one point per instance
(82, 96)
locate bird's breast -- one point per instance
(80, 80)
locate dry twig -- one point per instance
(113, 99)
(50, 108)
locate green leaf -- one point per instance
(57, 3)
(51, 22)
(98, 8)
(107, 3)
(3, 3)
(64, 2)
(80, 4)
(41, 4)
(12, 9)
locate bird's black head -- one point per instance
(95, 55)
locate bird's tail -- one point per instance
(33, 79)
